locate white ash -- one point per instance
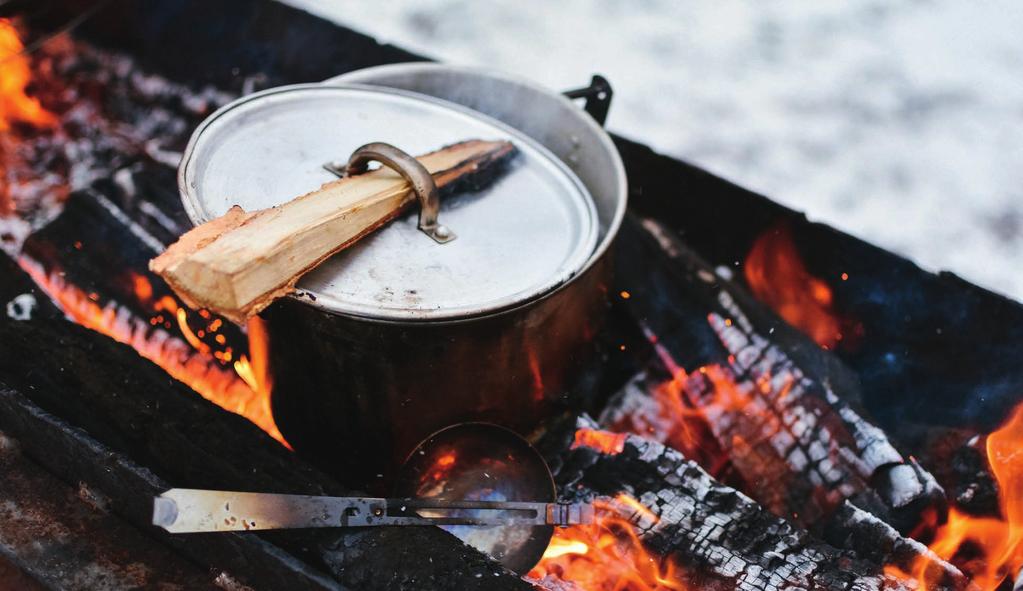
(905, 487)
(228, 583)
(154, 244)
(8, 445)
(554, 583)
(21, 307)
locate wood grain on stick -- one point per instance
(239, 263)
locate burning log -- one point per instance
(718, 537)
(816, 433)
(961, 467)
(92, 261)
(874, 540)
(779, 409)
(137, 413)
(238, 264)
(988, 548)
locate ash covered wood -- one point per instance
(720, 538)
(776, 405)
(139, 415)
(958, 460)
(874, 540)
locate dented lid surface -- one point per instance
(518, 239)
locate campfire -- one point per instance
(726, 436)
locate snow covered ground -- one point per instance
(899, 122)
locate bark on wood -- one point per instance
(139, 415)
(800, 447)
(239, 263)
(720, 538)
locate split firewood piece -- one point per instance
(718, 537)
(239, 263)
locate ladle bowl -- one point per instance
(482, 462)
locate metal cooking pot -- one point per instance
(398, 336)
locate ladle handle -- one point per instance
(183, 510)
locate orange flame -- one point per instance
(777, 276)
(15, 75)
(605, 442)
(987, 549)
(670, 418)
(608, 555)
(245, 391)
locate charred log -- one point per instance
(93, 264)
(66, 537)
(139, 415)
(874, 540)
(720, 538)
(65, 450)
(975, 488)
(788, 421)
(98, 248)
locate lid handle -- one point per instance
(412, 171)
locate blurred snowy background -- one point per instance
(899, 122)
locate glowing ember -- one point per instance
(989, 550)
(607, 555)
(777, 276)
(246, 392)
(605, 442)
(142, 287)
(15, 106)
(669, 417)
(15, 75)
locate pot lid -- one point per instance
(518, 239)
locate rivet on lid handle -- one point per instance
(412, 171)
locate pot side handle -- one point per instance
(598, 97)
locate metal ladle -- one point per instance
(483, 483)
(483, 462)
